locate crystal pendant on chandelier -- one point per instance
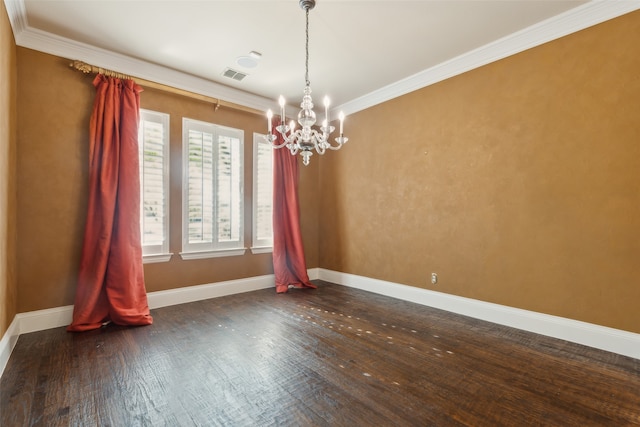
(306, 139)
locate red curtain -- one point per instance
(111, 278)
(289, 265)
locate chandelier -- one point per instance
(305, 139)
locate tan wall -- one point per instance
(54, 107)
(518, 183)
(8, 280)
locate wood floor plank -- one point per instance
(334, 356)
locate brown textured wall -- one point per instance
(8, 129)
(518, 182)
(54, 106)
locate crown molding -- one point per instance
(42, 41)
(579, 18)
(17, 16)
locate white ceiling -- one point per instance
(361, 52)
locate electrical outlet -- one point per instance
(434, 278)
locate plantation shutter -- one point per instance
(213, 193)
(153, 141)
(264, 195)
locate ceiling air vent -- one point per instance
(233, 74)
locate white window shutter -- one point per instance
(262, 193)
(213, 199)
(153, 141)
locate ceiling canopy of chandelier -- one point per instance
(306, 139)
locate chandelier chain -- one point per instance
(306, 63)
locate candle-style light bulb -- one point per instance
(327, 102)
(292, 125)
(281, 102)
(269, 116)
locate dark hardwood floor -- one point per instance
(334, 356)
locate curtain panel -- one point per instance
(111, 284)
(289, 265)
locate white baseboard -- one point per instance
(601, 337)
(39, 320)
(314, 273)
(210, 290)
(7, 343)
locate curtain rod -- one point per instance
(92, 69)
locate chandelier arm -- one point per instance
(319, 142)
(294, 136)
(332, 147)
(280, 145)
(271, 138)
(293, 141)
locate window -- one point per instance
(262, 195)
(212, 192)
(153, 141)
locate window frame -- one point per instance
(215, 248)
(156, 253)
(260, 245)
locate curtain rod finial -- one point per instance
(81, 66)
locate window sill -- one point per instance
(150, 259)
(261, 249)
(212, 254)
